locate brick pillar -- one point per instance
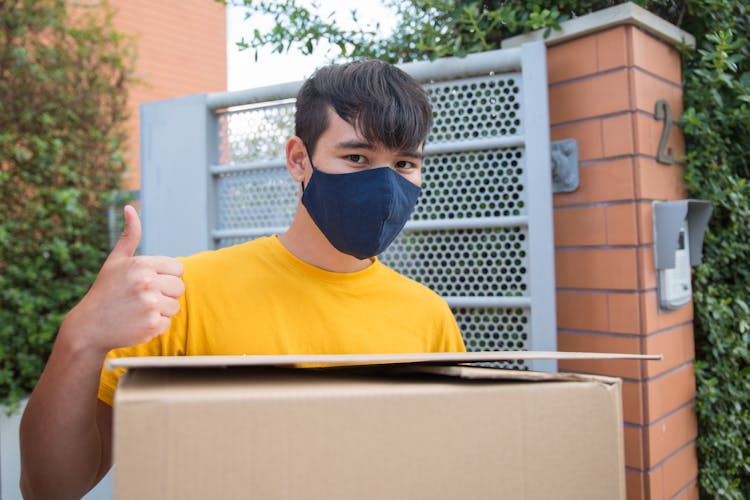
(603, 88)
(606, 72)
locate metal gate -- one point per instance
(213, 174)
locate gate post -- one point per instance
(178, 141)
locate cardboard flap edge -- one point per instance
(451, 358)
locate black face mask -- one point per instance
(360, 213)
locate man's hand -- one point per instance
(66, 433)
(132, 299)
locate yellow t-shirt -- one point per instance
(258, 298)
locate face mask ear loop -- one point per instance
(309, 157)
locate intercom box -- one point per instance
(290, 427)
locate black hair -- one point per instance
(382, 102)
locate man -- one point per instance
(318, 288)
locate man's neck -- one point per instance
(305, 241)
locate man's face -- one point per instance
(341, 149)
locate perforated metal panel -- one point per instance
(480, 262)
(257, 195)
(481, 234)
(469, 184)
(471, 108)
(258, 198)
(495, 329)
(255, 132)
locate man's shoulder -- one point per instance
(410, 287)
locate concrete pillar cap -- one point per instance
(619, 15)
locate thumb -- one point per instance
(131, 235)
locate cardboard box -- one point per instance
(253, 427)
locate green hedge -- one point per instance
(717, 127)
(716, 123)
(63, 94)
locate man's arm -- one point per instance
(62, 443)
(65, 430)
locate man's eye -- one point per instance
(405, 165)
(356, 158)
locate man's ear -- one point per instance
(296, 159)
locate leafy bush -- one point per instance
(716, 123)
(63, 94)
(717, 126)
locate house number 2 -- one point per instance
(664, 112)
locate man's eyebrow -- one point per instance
(418, 155)
(355, 145)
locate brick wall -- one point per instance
(181, 50)
(603, 88)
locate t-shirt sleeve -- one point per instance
(170, 343)
(450, 338)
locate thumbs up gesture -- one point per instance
(133, 297)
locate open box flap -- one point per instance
(322, 360)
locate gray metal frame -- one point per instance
(178, 141)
